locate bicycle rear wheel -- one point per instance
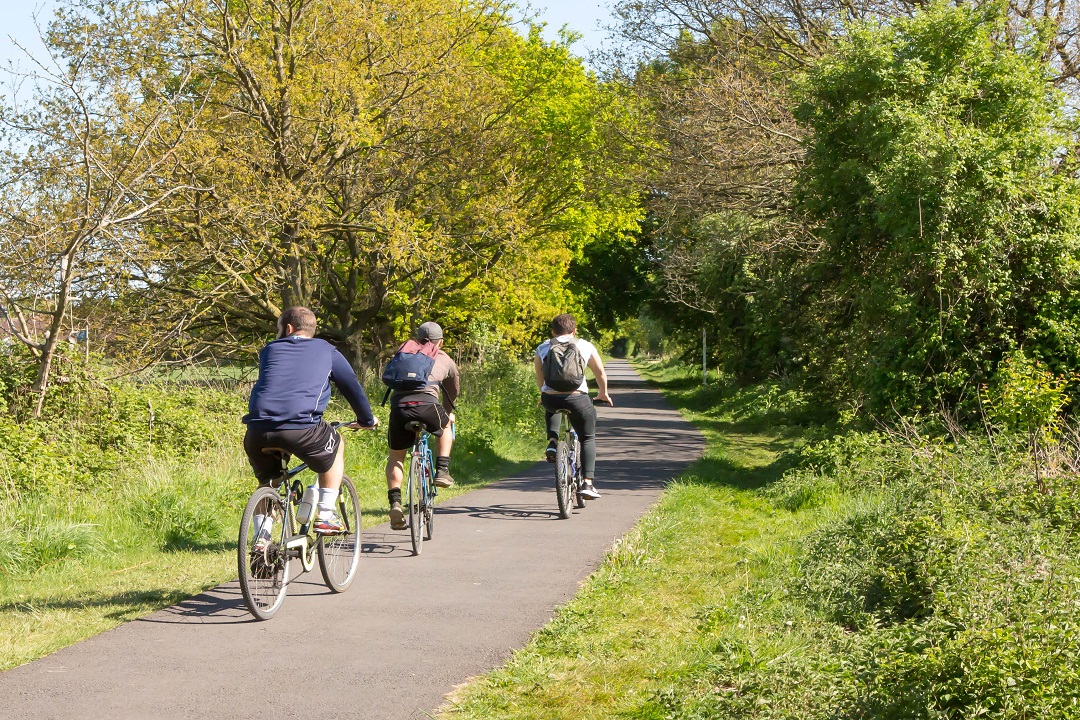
(575, 481)
(562, 479)
(340, 554)
(264, 572)
(416, 516)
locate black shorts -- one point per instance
(316, 445)
(432, 414)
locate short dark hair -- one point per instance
(563, 324)
(302, 320)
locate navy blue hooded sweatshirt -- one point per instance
(294, 385)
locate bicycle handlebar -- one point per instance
(346, 425)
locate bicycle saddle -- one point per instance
(275, 451)
(415, 426)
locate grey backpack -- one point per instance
(564, 367)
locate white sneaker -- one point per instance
(588, 492)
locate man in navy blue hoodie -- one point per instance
(286, 407)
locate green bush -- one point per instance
(1026, 398)
(955, 578)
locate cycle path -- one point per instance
(407, 632)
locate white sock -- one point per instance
(327, 498)
(263, 525)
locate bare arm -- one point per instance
(538, 365)
(597, 368)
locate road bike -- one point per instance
(264, 567)
(421, 490)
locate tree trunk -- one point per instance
(297, 286)
(49, 348)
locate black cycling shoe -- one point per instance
(397, 517)
(552, 451)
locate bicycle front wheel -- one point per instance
(563, 475)
(429, 503)
(339, 554)
(262, 560)
(416, 515)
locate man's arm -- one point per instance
(538, 365)
(342, 374)
(446, 374)
(597, 367)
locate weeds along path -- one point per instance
(409, 630)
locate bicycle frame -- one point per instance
(421, 447)
(569, 435)
(301, 543)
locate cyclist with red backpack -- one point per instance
(413, 378)
(560, 364)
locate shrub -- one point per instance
(1026, 398)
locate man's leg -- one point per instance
(395, 475)
(583, 418)
(395, 469)
(329, 488)
(331, 479)
(442, 459)
(267, 468)
(553, 421)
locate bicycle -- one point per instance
(264, 571)
(421, 488)
(568, 467)
(568, 476)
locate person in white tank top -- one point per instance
(577, 402)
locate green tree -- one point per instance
(90, 157)
(947, 209)
(382, 163)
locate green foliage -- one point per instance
(890, 575)
(1026, 398)
(91, 425)
(609, 280)
(39, 542)
(949, 231)
(499, 395)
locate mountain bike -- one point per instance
(568, 467)
(421, 490)
(568, 476)
(264, 567)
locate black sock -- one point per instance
(442, 464)
(553, 439)
(394, 496)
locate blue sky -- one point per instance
(581, 15)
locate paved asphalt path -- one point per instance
(406, 633)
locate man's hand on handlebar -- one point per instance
(357, 426)
(603, 400)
